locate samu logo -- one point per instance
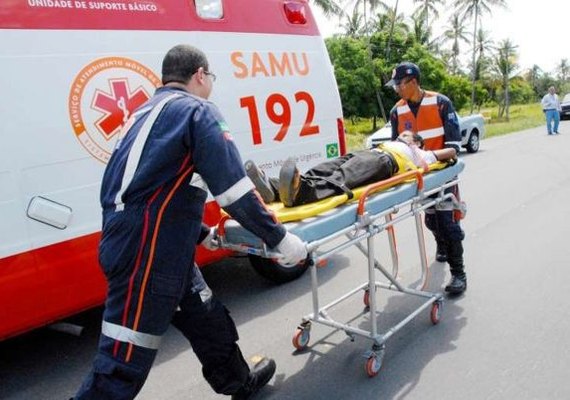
(103, 96)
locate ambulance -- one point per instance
(72, 73)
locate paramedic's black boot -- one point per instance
(458, 282)
(289, 183)
(261, 373)
(260, 181)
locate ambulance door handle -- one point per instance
(49, 212)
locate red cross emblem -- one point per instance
(116, 106)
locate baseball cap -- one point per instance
(404, 70)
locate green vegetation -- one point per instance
(377, 36)
(525, 116)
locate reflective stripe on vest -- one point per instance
(427, 123)
(137, 149)
(124, 334)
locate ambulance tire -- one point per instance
(274, 272)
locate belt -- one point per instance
(393, 162)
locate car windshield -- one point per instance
(567, 98)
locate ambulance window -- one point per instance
(209, 9)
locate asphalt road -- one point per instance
(506, 338)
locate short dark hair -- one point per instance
(419, 140)
(181, 62)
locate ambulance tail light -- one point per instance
(209, 9)
(295, 12)
(341, 136)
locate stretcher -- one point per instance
(379, 207)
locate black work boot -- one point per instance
(260, 181)
(289, 183)
(458, 282)
(261, 373)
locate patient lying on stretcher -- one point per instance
(344, 173)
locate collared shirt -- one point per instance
(550, 102)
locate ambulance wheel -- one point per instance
(301, 338)
(373, 365)
(274, 272)
(435, 313)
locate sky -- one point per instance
(537, 28)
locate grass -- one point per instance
(522, 116)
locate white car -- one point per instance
(472, 131)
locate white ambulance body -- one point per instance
(72, 72)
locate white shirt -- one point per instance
(550, 102)
(413, 152)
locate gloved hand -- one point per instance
(210, 241)
(292, 250)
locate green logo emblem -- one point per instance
(224, 126)
(332, 150)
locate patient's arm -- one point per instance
(445, 154)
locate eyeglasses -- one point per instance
(211, 75)
(402, 83)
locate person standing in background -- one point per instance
(551, 107)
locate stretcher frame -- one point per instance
(366, 227)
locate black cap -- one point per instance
(404, 70)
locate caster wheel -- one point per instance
(366, 298)
(373, 365)
(301, 338)
(435, 313)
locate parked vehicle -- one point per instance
(472, 132)
(565, 107)
(75, 70)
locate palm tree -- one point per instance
(483, 47)
(329, 7)
(506, 64)
(353, 23)
(427, 7)
(456, 33)
(475, 9)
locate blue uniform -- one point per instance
(152, 213)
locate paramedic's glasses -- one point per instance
(211, 75)
(401, 84)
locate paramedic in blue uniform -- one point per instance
(152, 202)
(432, 116)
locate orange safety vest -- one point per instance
(427, 123)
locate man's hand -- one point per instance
(292, 250)
(210, 241)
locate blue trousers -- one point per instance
(552, 121)
(153, 282)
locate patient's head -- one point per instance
(409, 137)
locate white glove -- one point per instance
(292, 250)
(210, 241)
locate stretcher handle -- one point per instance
(386, 183)
(221, 231)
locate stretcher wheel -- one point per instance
(373, 365)
(301, 338)
(435, 312)
(366, 298)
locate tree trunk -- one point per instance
(473, 70)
